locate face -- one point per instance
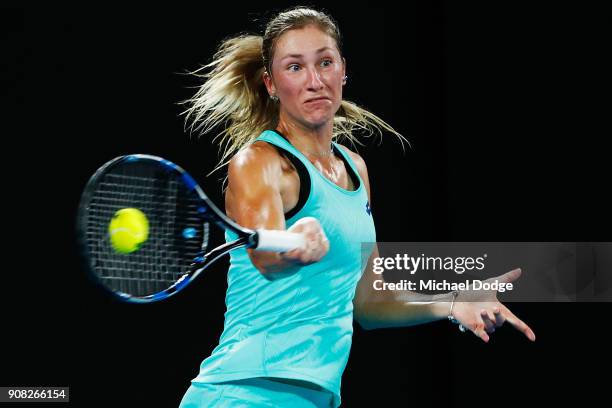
(307, 76)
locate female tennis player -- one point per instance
(289, 320)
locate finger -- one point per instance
(326, 245)
(478, 329)
(312, 244)
(308, 257)
(519, 324)
(499, 317)
(301, 255)
(509, 276)
(312, 237)
(320, 250)
(485, 314)
(489, 321)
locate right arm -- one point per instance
(254, 199)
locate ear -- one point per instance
(343, 71)
(267, 78)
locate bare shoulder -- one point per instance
(255, 159)
(255, 171)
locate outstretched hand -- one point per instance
(481, 312)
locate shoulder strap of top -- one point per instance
(350, 164)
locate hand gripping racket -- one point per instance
(178, 215)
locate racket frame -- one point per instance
(208, 212)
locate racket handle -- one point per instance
(279, 241)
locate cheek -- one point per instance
(335, 79)
(289, 87)
(335, 87)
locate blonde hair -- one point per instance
(234, 95)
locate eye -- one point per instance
(326, 62)
(293, 67)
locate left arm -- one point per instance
(383, 308)
(375, 309)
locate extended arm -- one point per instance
(254, 199)
(481, 313)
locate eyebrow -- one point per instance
(320, 50)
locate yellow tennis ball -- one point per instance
(128, 230)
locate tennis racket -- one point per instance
(179, 217)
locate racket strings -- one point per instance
(171, 209)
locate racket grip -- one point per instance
(279, 241)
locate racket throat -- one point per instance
(202, 260)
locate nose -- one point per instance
(314, 80)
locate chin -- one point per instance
(315, 124)
(316, 121)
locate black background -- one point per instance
(504, 106)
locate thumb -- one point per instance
(509, 276)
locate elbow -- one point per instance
(365, 321)
(365, 325)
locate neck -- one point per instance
(308, 140)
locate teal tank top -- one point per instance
(298, 327)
